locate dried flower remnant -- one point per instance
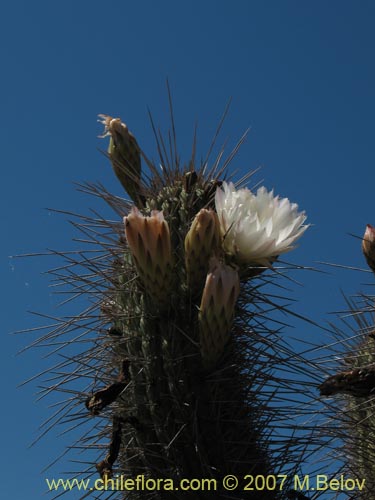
(105, 467)
(109, 394)
(359, 382)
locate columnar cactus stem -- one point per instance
(189, 393)
(197, 392)
(355, 380)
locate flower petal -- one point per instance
(257, 227)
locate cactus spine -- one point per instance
(355, 383)
(183, 364)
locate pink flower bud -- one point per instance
(201, 242)
(150, 244)
(368, 246)
(217, 310)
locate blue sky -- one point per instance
(301, 75)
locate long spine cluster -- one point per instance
(185, 369)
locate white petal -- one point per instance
(257, 227)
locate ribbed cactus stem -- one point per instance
(184, 413)
(355, 380)
(187, 384)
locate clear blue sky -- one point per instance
(301, 75)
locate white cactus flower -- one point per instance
(257, 228)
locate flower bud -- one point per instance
(217, 310)
(124, 153)
(201, 241)
(368, 246)
(150, 244)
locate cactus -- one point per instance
(186, 377)
(353, 384)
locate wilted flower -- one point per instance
(256, 228)
(150, 244)
(124, 153)
(216, 311)
(201, 241)
(368, 246)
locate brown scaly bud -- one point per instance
(150, 244)
(359, 382)
(368, 246)
(125, 155)
(217, 310)
(201, 242)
